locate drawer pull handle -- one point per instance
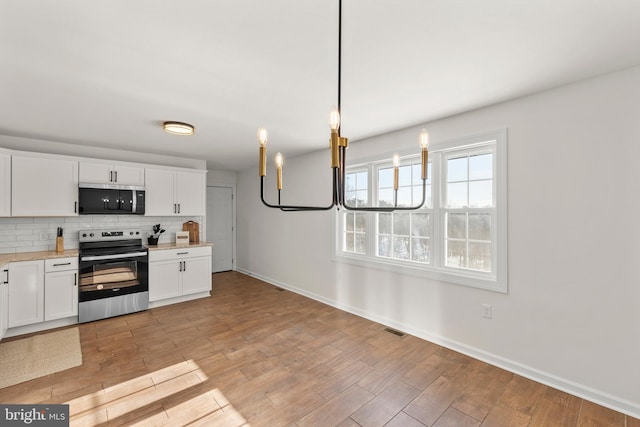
(182, 253)
(62, 263)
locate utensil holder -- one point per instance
(59, 244)
(153, 240)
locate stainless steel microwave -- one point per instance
(110, 199)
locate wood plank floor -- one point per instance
(255, 355)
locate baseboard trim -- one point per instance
(580, 390)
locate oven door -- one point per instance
(111, 275)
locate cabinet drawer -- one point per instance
(187, 252)
(60, 264)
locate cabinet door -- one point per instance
(190, 193)
(43, 186)
(96, 173)
(5, 185)
(60, 295)
(196, 275)
(26, 293)
(160, 191)
(4, 301)
(164, 280)
(128, 175)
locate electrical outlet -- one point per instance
(44, 236)
(486, 311)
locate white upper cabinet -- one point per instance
(170, 192)
(191, 190)
(44, 186)
(109, 173)
(5, 184)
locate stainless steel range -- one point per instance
(114, 269)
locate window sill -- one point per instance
(465, 278)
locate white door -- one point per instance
(220, 227)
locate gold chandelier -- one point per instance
(338, 146)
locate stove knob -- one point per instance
(131, 233)
(91, 235)
(84, 234)
(137, 233)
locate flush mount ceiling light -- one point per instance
(338, 145)
(178, 128)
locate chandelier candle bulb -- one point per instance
(334, 119)
(279, 170)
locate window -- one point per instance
(354, 226)
(459, 235)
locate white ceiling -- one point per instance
(106, 73)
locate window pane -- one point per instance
(385, 178)
(384, 223)
(361, 178)
(360, 243)
(404, 196)
(456, 254)
(416, 172)
(479, 226)
(385, 197)
(348, 242)
(351, 182)
(384, 246)
(401, 223)
(421, 250)
(457, 169)
(417, 195)
(400, 247)
(480, 256)
(481, 166)
(457, 195)
(457, 226)
(404, 175)
(361, 222)
(361, 197)
(420, 224)
(481, 194)
(349, 221)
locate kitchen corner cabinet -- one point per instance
(5, 184)
(170, 192)
(44, 186)
(4, 300)
(179, 272)
(109, 173)
(26, 293)
(60, 288)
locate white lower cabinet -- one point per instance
(4, 300)
(42, 290)
(26, 293)
(60, 288)
(179, 272)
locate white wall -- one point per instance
(570, 317)
(221, 178)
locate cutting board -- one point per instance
(194, 231)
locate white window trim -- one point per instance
(496, 281)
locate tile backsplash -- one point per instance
(39, 234)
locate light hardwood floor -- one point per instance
(256, 355)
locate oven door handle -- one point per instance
(113, 256)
